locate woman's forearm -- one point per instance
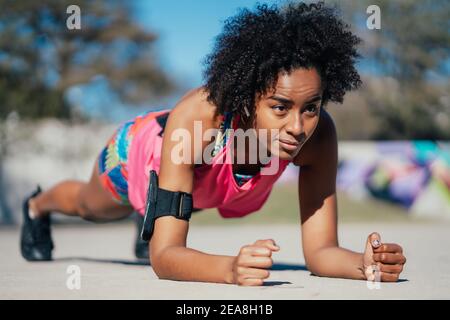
(186, 264)
(336, 262)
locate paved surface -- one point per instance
(109, 271)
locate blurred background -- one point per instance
(63, 92)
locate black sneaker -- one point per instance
(140, 246)
(36, 241)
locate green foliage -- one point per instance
(40, 58)
(407, 96)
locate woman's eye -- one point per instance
(311, 108)
(279, 108)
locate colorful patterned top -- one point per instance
(223, 135)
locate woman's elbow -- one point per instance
(156, 262)
(312, 268)
(162, 263)
(315, 265)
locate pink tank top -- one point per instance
(214, 183)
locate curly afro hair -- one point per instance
(255, 46)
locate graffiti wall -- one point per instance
(413, 174)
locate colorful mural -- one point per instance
(413, 174)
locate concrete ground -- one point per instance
(109, 271)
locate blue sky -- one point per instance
(187, 30)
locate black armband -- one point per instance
(161, 202)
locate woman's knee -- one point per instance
(92, 209)
(84, 206)
(84, 211)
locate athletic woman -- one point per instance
(272, 70)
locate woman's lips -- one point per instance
(288, 145)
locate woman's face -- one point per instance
(292, 109)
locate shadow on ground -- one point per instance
(137, 262)
(144, 262)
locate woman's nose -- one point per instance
(295, 125)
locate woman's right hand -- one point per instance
(250, 267)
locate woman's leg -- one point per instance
(89, 201)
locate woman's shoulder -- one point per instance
(194, 106)
(197, 115)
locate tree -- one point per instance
(40, 58)
(407, 91)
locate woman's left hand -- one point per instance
(382, 261)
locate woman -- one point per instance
(271, 70)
